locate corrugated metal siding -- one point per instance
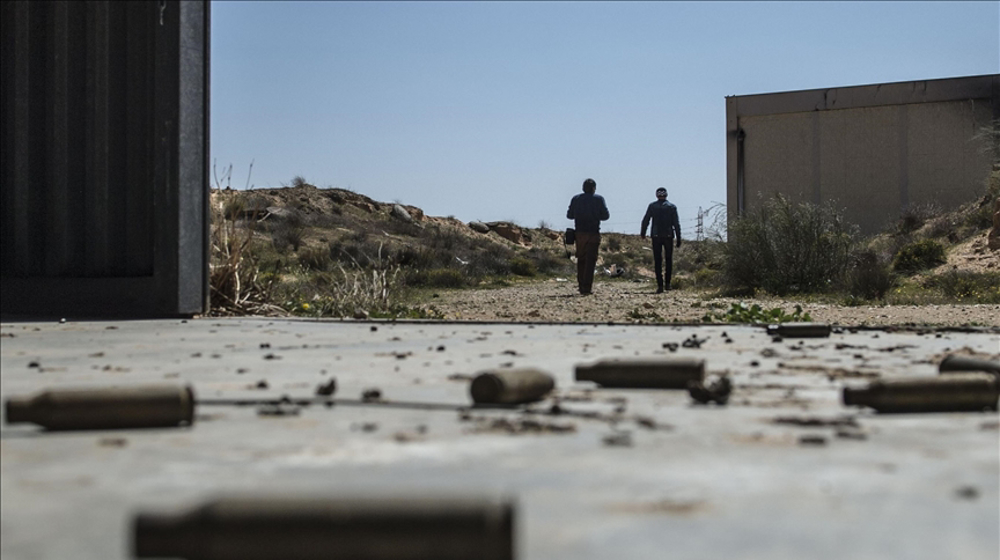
(79, 114)
(104, 181)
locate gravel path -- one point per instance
(635, 302)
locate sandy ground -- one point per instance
(636, 302)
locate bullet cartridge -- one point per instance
(315, 528)
(954, 363)
(643, 373)
(511, 386)
(150, 406)
(799, 330)
(948, 393)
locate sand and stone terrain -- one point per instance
(635, 302)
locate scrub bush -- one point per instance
(787, 248)
(918, 256)
(870, 276)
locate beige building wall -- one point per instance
(871, 151)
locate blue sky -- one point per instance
(499, 110)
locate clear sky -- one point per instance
(499, 110)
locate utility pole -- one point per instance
(699, 230)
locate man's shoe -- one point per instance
(659, 290)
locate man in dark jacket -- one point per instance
(666, 226)
(587, 210)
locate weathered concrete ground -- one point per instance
(783, 471)
(635, 302)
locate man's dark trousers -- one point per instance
(587, 245)
(664, 260)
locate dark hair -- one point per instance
(589, 185)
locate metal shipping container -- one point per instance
(104, 183)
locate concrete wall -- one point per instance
(871, 151)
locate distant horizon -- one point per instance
(499, 110)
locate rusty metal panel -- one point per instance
(91, 145)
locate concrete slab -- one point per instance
(688, 481)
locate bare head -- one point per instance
(661, 193)
(589, 186)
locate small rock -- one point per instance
(479, 227)
(328, 388)
(812, 440)
(967, 493)
(401, 214)
(618, 439)
(370, 395)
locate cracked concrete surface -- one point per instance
(783, 471)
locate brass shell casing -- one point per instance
(643, 373)
(800, 330)
(511, 386)
(151, 406)
(947, 393)
(964, 363)
(315, 528)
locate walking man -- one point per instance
(666, 226)
(587, 210)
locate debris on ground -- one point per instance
(518, 426)
(112, 442)
(279, 410)
(328, 388)
(371, 395)
(851, 433)
(812, 440)
(694, 341)
(618, 439)
(818, 422)
(366, 427)
(967, 493)
(717, 390)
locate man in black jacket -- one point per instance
(587, 210)
(665, 225)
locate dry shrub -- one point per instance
(788, 248)
(918, 256)
(870, 276)
(236, 286)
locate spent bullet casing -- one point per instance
(315, 528)
(954, 363)
(151, 406)
(948, 393)
(799, 330)
(653, 374)
(511, 386)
